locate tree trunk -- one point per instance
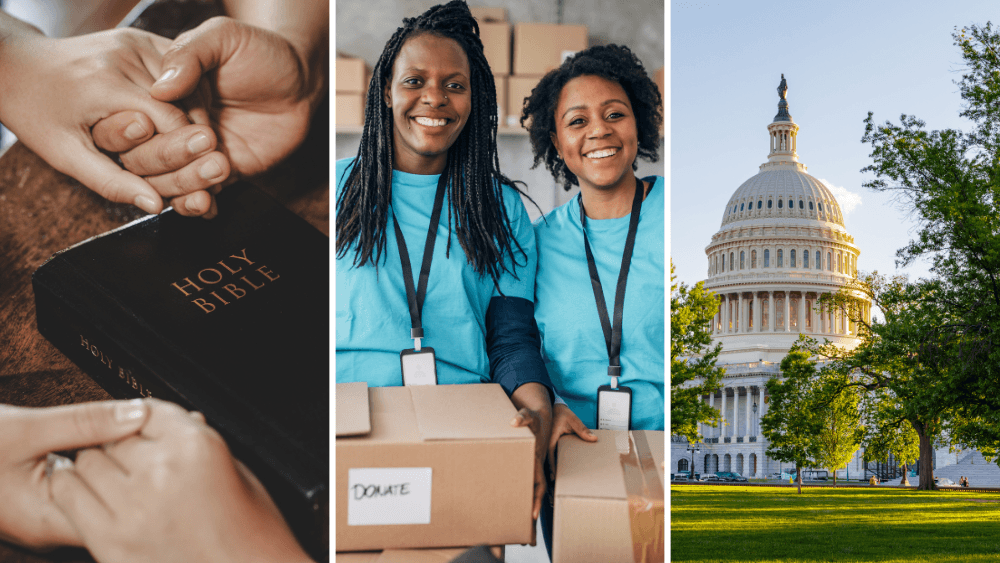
(798, 477)
(926, 458)
(834, 477)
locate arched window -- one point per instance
(819, 261)
(791, 258)
(741, 206)
(723, 262)
(820, 206)
(732, 261)
(767, 258)
(840, 270)
(809, 316)
(682, 465)
(805, 259)
(791, 204)
(753, 259)
(780, 201)
(716, 263)
(763, 313)
(759, 203)
(829, 261)
(781, 261)
(810, 206)
(793, 313)
(742, 261)
(769, 202)
(801, 205)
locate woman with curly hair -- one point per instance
(589, 121)
(425, 296)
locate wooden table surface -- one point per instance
(43, 211)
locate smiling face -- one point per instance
(596, 133)
(431, 98)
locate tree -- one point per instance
(692, 359)
(900, 441)
(840, 423)
(950, 179)
(791, 425)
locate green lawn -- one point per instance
(744, 524)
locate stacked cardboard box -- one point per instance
(417, 555)
(609, 498)
(352, 86)
(538, 48)
(431, 466)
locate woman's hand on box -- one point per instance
(565, 421)
(172, 493)
(535, 412)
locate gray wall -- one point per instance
(363, 27)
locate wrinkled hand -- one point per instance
(261, 91)
(565, 421)
(55, 90)
(28, 517)
(172, 493)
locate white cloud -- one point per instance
(848, 200)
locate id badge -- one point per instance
(419, 368)
(614, 408)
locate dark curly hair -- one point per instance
(475, 200)
(612, 62)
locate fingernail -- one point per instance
(135, 131)
(199, 143)
(210, 170)
(191, 206)
(145, 203)
(129, 411)
(167, 75)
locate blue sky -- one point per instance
(841, 60)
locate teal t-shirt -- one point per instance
(573, 345)
(373, 317)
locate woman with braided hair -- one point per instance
(425, 295)
(589, 121)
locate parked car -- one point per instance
(684, 476)
(731, 476)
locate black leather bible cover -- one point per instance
(229, 317)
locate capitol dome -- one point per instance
(781, 245)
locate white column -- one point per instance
(746, 415)
(722, 427)
(815, 316)
(770, 311)
(755, 312)
(743, 312)
(802, 311)
(729, 317)
(787, 303)
(711, 403)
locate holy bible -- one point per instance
(229, 317)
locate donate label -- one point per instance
(388, 495)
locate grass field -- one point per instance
(776, 524)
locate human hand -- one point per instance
(28, 516)
(55, 90)
(182, 165)
(535, 412)
(565, 421)
(262, 90)
(172, 493)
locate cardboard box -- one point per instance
(518, 88)
(488, 14)
(501, 84)
(496, 46)
(541, 47)
(609, 498)
(441, 467)
(412, 555)
(353, 75)
(350, 110)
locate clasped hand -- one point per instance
(223, 100)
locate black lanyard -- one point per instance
(613, 335)
(416, 298)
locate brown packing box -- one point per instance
(410, 555)
(441, 467)
(488, 14)
(350, 110)
(540, 47)
(352, 75)
(518, 88)
(501, 85)
(496, 46)
(609, 498)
